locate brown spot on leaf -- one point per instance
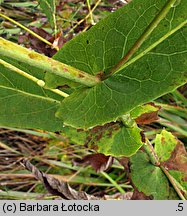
(31, 55)
(96, 134)
(80, 75)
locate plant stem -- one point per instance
(39, 82)
(21, 54)
(90, 12)
(55, 24)
(82, 20)
(28, 30)
(151, 153)
(4, 146)
(143, 37)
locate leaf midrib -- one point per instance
(126, 60)
(30, 94)
(155, 44)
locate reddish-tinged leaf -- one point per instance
(148, 113)
(39, 45)
(178, 160)
(99, 162)
(171, 152)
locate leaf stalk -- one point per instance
(21, 54)
(160, 16)
(39, 82)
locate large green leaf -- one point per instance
(148, 178)
(158, 67)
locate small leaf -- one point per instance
(173, 156)
(148, 178)
(180, 177)
(171, 152)
(145, 114)
(99, 162)
(165, 143)
(109, 139)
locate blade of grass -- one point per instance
(115, 184)
(4, 146)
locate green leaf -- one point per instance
(55, 81)
(148, 178)
(158, 67)
(49, 8)
(24, 110)
(75, 136)
(110, 139)
(24, 104)
(124, 142)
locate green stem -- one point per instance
(151, 153)
(90, 12)
(39, 82)
(55, 24)
(82, 20)
(143, 37)
(144, 52)
(28, 30)
(14, 51)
